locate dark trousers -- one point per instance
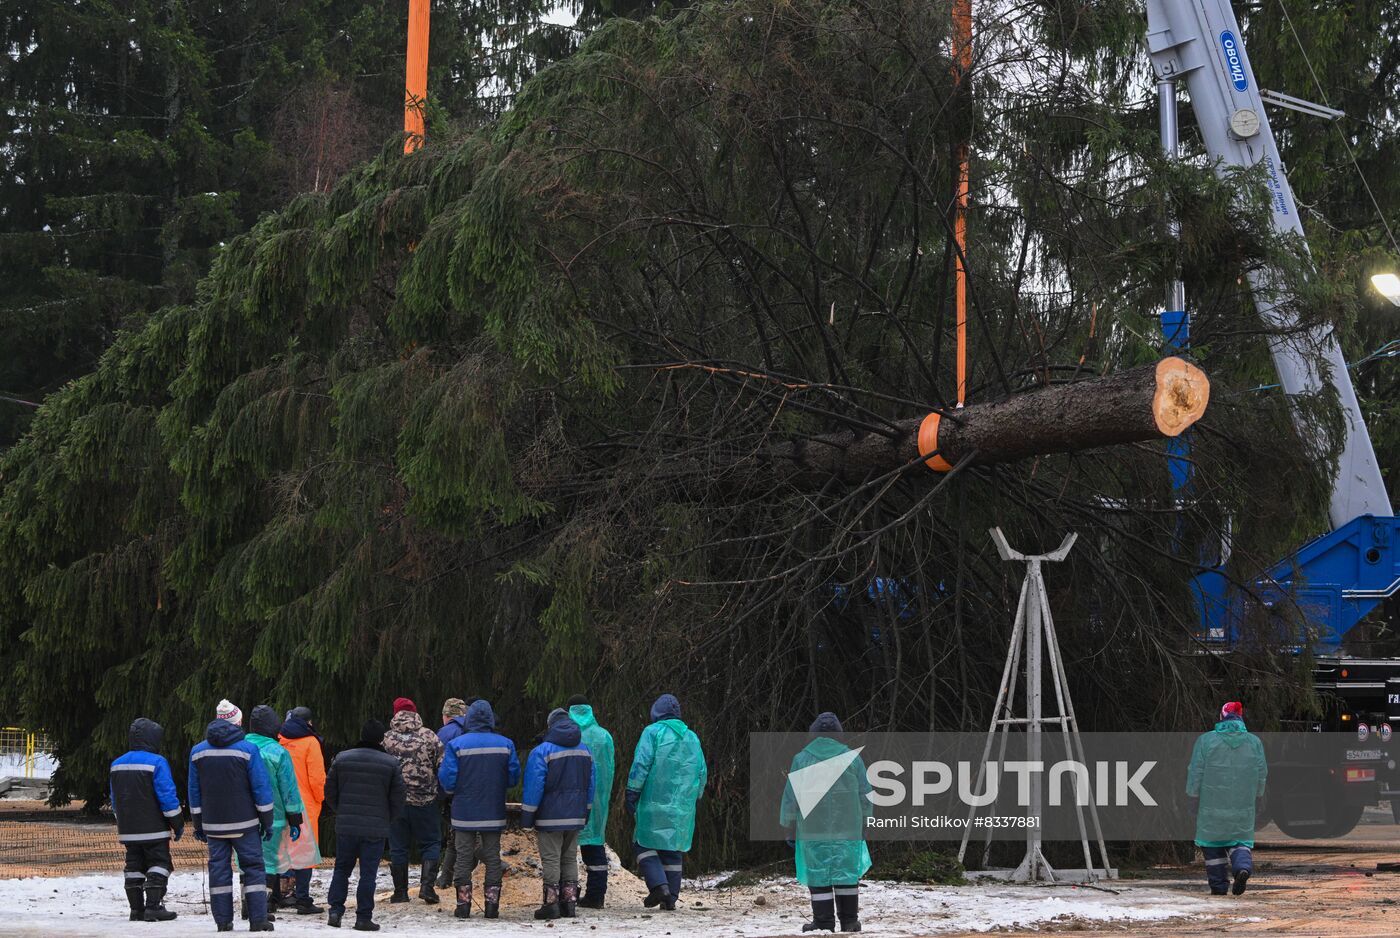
(349, 850)
(248, 846)
(418, 822)
(303, 886)
(1223, 862)
(660, 866)
(148, 869)
(448, 866)
(595, 864)
(830, 902)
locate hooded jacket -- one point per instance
(303, 746)
(142, 788)
(452, 729)
(559, 780)
(286, 798)
(229, 789)
(419, 752)
(667, 777)
(476, 770)
(600, 743)
(831, 848)
(1227, 773)
(365, 789)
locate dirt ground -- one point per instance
(1328, 888)
(1323, 888)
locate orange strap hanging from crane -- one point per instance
(962, 66)
(416, 80)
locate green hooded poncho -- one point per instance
(831, 848)
(600, 743)
(1227, 773)
(668, 769)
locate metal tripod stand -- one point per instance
(1034, 634)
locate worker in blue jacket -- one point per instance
(476, 770)
(148, 812)
(559, 781)
(231, 800)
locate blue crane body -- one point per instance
(1332, 582)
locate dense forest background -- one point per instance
(324, 424)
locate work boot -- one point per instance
(224, 926)
(264, 925)
(549, 907)
(366, 925)
(464, 900)
(823, 912)
(493, 901)
(591, 900)
(399, 873)
(155, 905)
(659, 894)
(1241, 881)
(289, 891)
(568, 898)
(333, 919)
(848, 908)
(426, 892)
(307, 907)
(136, 898)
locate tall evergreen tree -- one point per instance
(465, 422)
(140, 135)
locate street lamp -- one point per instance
(1388, 285)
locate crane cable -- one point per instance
(1317, 83)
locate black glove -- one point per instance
(294, 819)
(266, 829)
(177, 826)
(630, 802)
(199, 831)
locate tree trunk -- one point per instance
(1147, 403)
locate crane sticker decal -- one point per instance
(1233, 60)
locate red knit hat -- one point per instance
(1232, 709)
(403, 703)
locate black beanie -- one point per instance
(372, 734)
(578, 700)
(263, 721)
(826, 723)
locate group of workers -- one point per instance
(253, 794)
(256, 795)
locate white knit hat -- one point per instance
(227, 711)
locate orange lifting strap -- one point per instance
(928, 445)
(416, 80)
(962, 66)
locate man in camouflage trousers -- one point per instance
(419, 752)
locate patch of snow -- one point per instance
(96, 906)
(40, 765)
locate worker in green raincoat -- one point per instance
(829, 840)
(287, 808)
(592, 840)
(1227, 775)
(668, 774)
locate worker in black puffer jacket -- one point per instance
(366, 791)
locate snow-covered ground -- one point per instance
(95, 906)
